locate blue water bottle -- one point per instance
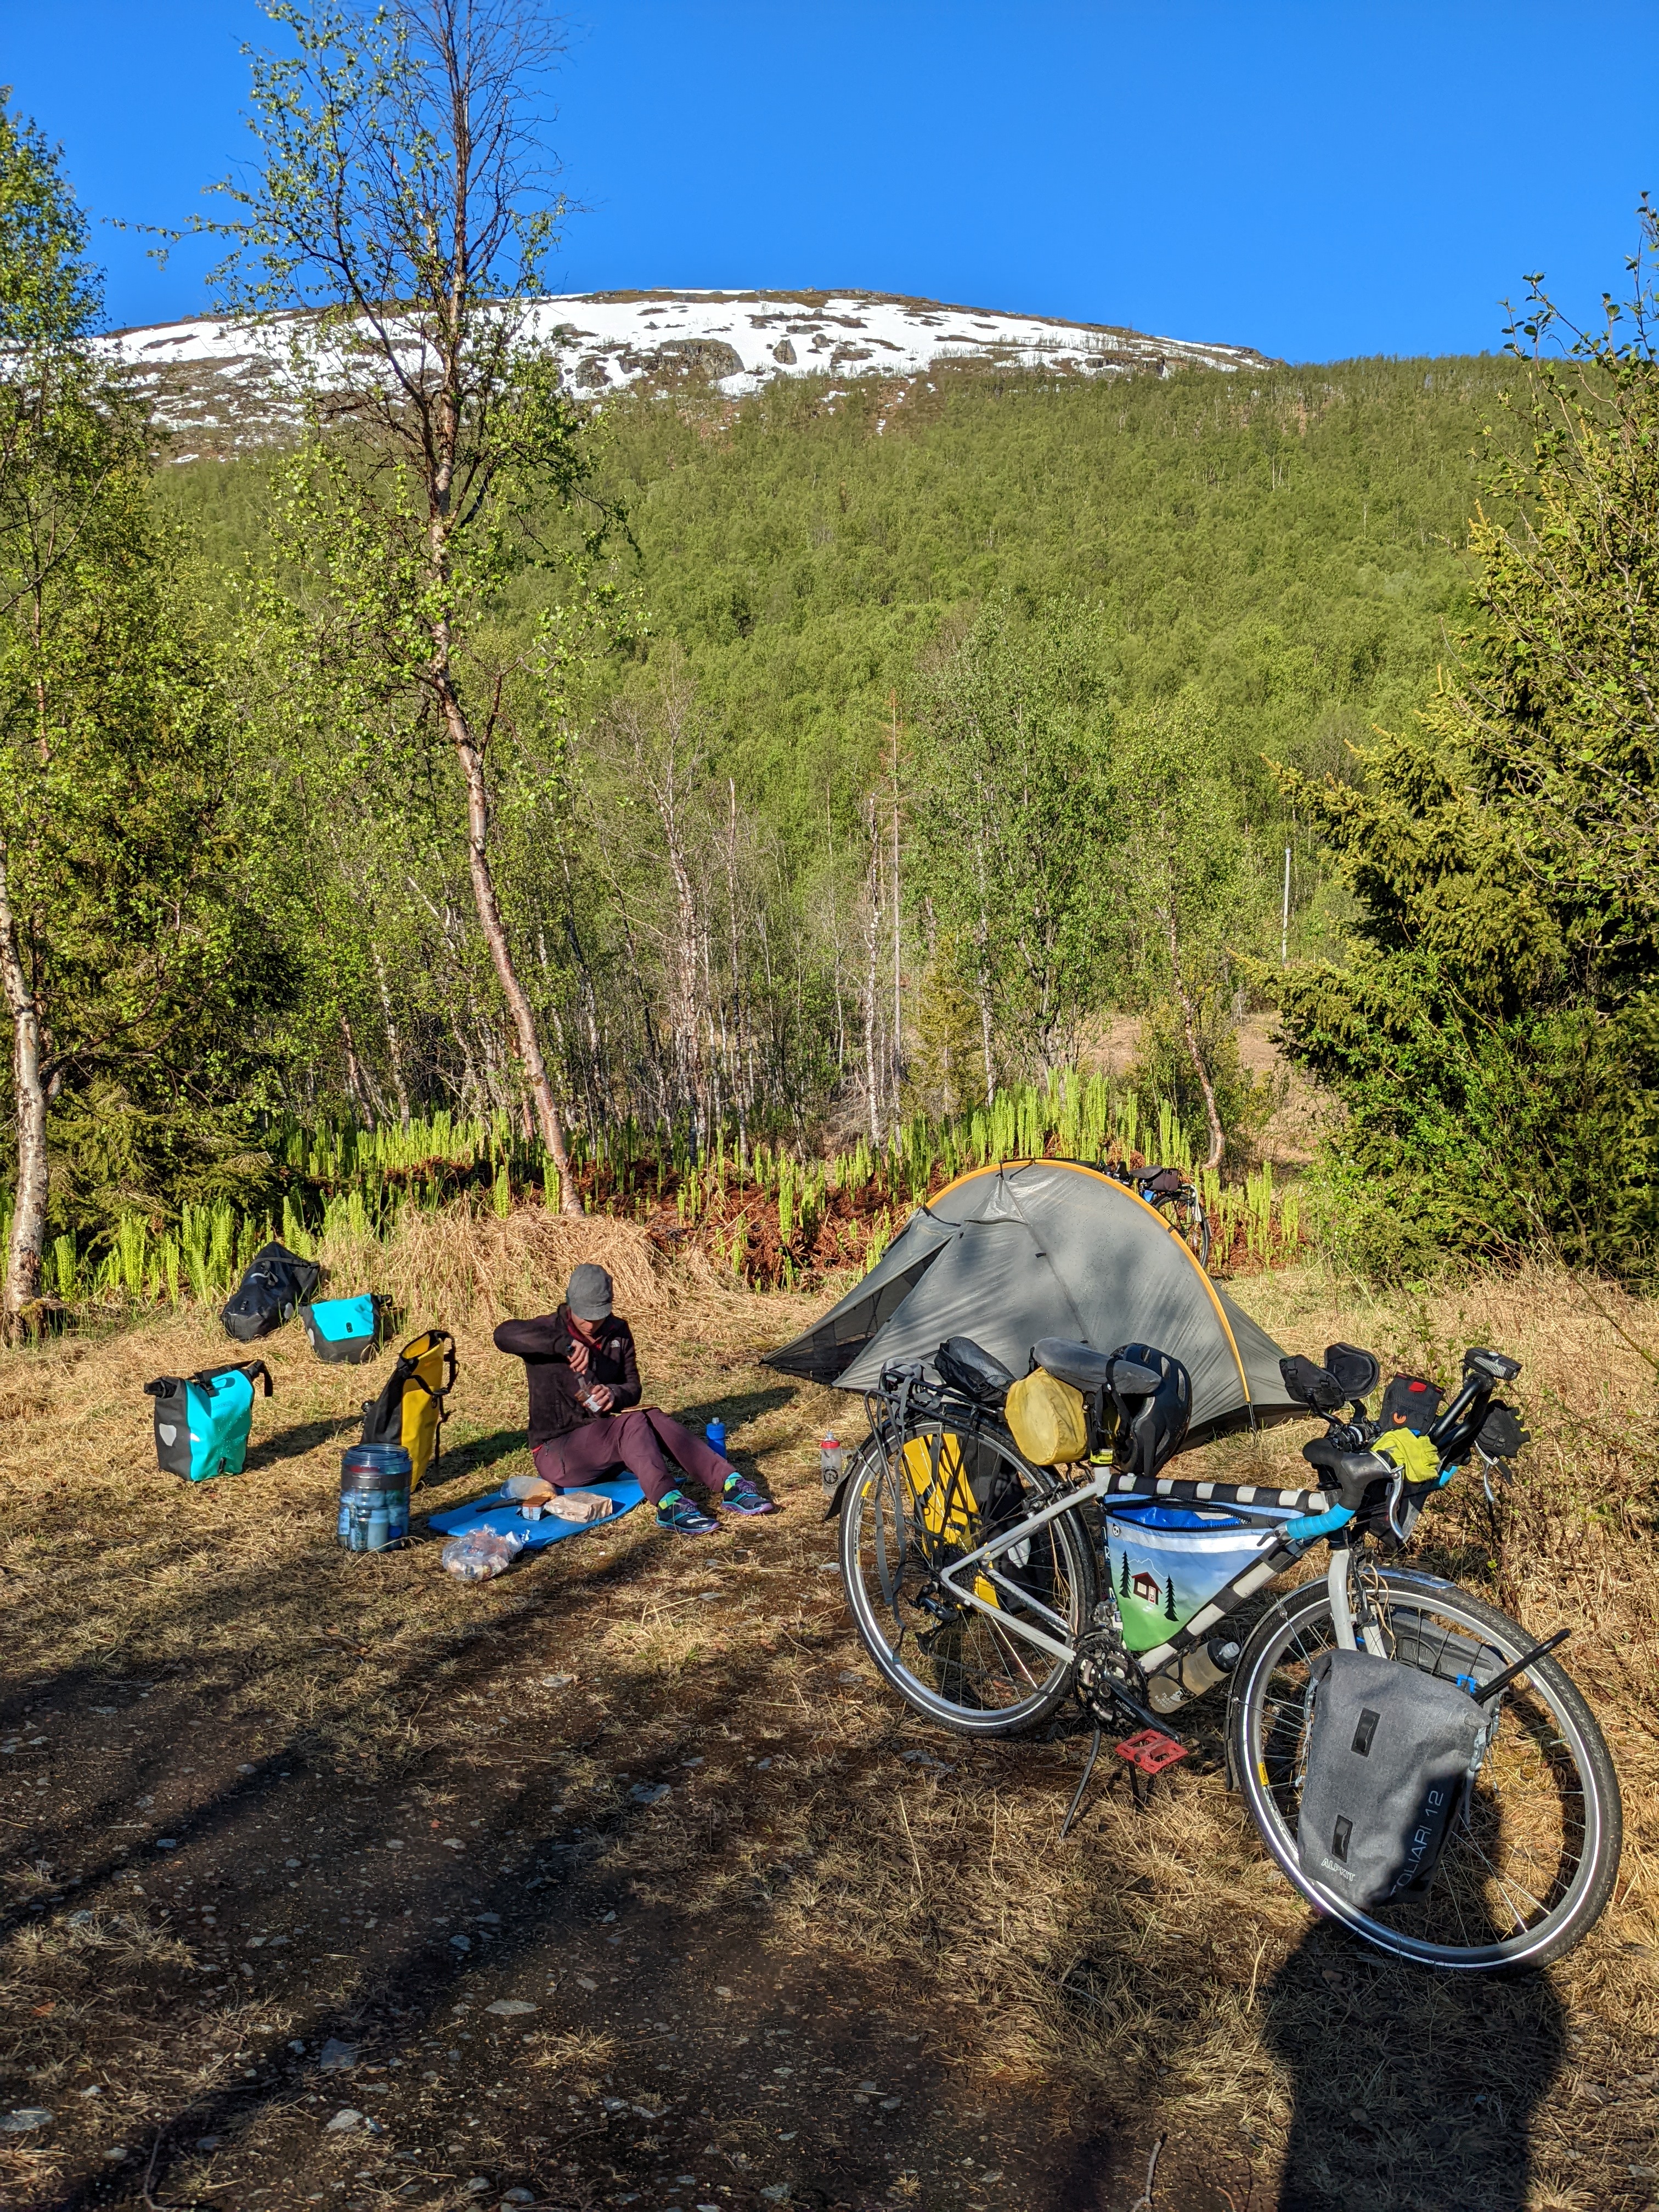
(715, 1432)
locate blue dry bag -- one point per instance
(344, 1329)
(202, 1421)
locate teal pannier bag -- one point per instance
(202, 1421)
(344, 1329)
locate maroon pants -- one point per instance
(635, 1440)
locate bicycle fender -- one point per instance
(832, 1511)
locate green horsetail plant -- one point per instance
(786, 1197)
(1259, 1214)
(131, 1249)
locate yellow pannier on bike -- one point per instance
(944, 1498)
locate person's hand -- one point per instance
(602, 1397)
(580, 1354)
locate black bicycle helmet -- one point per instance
(1152, 1395)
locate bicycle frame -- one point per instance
(959, 1578)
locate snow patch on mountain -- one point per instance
(234, 380)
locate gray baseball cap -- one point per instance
(589, 1295)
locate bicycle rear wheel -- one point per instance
(1192, 1227)
(1531, 1867)
(902, 1523)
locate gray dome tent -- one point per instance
(1046, 1248)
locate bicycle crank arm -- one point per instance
(1112, 1688)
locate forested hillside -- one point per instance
(698, 845)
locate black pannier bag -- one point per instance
(1391, 1754)
(277, 1283)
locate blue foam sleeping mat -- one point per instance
(500, 1512)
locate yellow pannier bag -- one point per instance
(1047, 1420)
(411, 1409)
(942, 1498)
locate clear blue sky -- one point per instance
(1353, 176)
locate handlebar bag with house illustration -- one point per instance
(277, 1284)
(409, 1410)
(202, 1421)
(343, 1329)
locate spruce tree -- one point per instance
(1491, 1032)
(134, 978)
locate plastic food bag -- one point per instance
(478, 1553)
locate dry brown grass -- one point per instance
(465, 1259)
(1151, 1974)
(1161, 1952)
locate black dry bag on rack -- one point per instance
(1391, 1754)
(277, 1284)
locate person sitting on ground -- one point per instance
(586, 1421)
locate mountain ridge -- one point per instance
(219, 386)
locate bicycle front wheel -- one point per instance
(1531, 1867)
(903, 1522)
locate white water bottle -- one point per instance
(832, 1464)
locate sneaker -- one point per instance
(741, 1493)
(678, 1512)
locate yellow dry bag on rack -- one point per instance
(409, 1410)
(1047, 1419)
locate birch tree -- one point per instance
(1188, 872)
(402, 201)
(1005, 775)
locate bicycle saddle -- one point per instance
(1079, 1364)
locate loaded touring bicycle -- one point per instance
(1419, 1767)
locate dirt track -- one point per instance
(257, 1796)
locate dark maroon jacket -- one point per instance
(544, 1346)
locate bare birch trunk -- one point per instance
(1189, 1024)
(494, 930)
(28, 1221)
(898, 995)
(393, 1043)
(356, 1081)
(983, 946)
(873, 903)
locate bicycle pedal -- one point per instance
(1150, 1750)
